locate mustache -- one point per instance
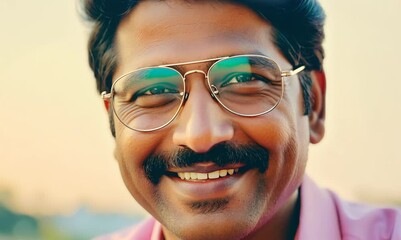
(252, 155)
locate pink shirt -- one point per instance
(323, 216)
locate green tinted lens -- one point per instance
(247, 85)
(148, 98)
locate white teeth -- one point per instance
(187, 175)
(223, 173)
(204, 176)
(213, 175)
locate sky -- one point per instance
(56, 150)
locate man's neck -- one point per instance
(284, 225)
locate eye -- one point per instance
(236, 78)
(159, 90)
(155, 90)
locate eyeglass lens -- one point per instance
(150, 98)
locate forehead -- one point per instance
(162, 32)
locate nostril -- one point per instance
(201, 137)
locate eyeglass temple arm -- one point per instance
(105, 96)
(292, 72)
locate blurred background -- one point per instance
(58, 177)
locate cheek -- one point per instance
(131, 149)
(296, 130)
(283, 128)
(284, 132)
(272, 131)
(277, 133)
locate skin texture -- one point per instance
(255, 205)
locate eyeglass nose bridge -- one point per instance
(213, 90)
(194, 71)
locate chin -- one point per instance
(214, 227)
(229, 218)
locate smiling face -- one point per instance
(226, 198)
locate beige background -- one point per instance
(55, 145)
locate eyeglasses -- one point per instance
(148, 99)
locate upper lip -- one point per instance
(205, 167)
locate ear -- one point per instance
(318, 110)
(106, 103)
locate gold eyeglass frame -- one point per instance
(213, 90)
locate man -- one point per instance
(213, 105)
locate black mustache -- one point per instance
(252, 155)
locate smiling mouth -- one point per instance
(216, 165)
(193, 176)
(205, 183)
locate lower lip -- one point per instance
(209, 189)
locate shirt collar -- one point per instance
(318, 216)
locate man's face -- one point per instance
(160, 32)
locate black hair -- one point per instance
(297, 31)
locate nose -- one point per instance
(202, 123)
